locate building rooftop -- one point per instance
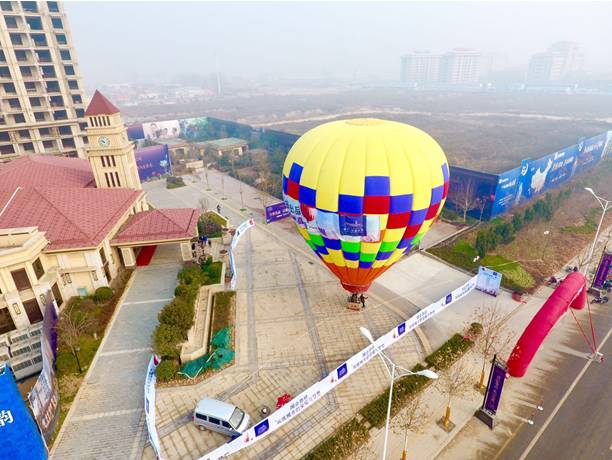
(46, 171)
(99, 105)
(159, 224)
(70, 217)
(227, 143)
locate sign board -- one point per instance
(276, 211)
(604, 269)
(149, 404)
(153, 162)
(44, 396)
(495, 387)
(489, 281)
(311, 395)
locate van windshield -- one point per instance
(236, 418)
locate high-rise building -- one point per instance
(460, 66)
(41, 94)
(420, 67)
(562, 61)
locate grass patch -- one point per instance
(222, 311)
(212, 270)
(449, 352)
(175, 185)
(342, 443)
(589, 226)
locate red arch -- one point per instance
(570, 293)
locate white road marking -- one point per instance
(114, 413)
(558, 406)
(124, 352)
(139, 302)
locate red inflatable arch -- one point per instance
(571, 293)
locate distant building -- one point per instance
(228, 145)
(41, 93)
(460, 66)
(420, 67)
(562, 61)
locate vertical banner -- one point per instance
(44, 396)
(603, 271)
(495, 387)
(488, 281)
(276, 211)
(149, 405)
(243, 227)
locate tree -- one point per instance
(72, 325)
(517, 222)
(413, 417)
(206, 176)
(482, 204)
(465, 197)
(494, 335)
(481, 244)
(453, 383)
(529, 215)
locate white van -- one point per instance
(221, 417)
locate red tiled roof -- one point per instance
(71, 217)
(99, 105)
(159, 225)
(46, 171)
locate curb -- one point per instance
(77, 397)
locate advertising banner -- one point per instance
(135, 132)
(276, 211)
(149, 404)
(161, 129)
(314, 393)
(194, 129)
(153, 162)
(489, 281)
(243, 227)
(505, 193)
(44, 396)
(590, 151)
(604, 270)
(495, 387)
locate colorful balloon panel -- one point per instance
(363, 193)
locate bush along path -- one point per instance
(356, 432)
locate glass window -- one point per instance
(61, 39)
(73, 84)
(69, 70)
(14, 103)
(38, 269)
(2, 56)
(7, 149)
(68, 143)
(24, 134)
(6, 6)
(34, 22)
(52, 86)
(39, 39)
(214, 420)
(28, 147)
(30, 7)
(57, 23)
(39, 116)
(20, 277)
(16, 39)
(6, 320)
(11, 22)
(21, 55)
(5, 72)
(19, 118)
(9, 88)
(30, 87)
(53, 7)
(236, 418)
(26, 71)
(4, 136)
(60, 115)
(77, 99)
(65, 55)
(65, 130)
(44, 132)
(48, 144)
(225, 424)
(48, 71)
(43, 55)
(80, 113)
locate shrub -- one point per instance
(166, 340)
(342, 443)
(448, 353)
(178, 313)
(103, 294)
(87, 304)
(167, 370)
(210, 225)
(475, 329)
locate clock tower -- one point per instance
(109, 152)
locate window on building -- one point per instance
(68, 143)
(16, 39)
(61, 39)
(11, 22)
(4, 136)
(26, 71)
(21, 55)
(108, 184)
(57, 23)
(28, 147)
(30, 7)
(73, 84)
(56, 101)
(44, 132)
(19, 118)
(6, 320)
(112, 158)
(43, 55)
(48, 71)
(49, 145)
(80, 113)
(53, 7)
(7, 149)
(65, 55)
(60, 115)
(77, 99)
(69, 69)
(6, 6)
(24, 134)
(5, 72)
(65, 130)
(9, 88)
(103, 159)
(2, 56)
(14, 103)
(34, 22)
(52, 86)
(117, 179)
(38, 268)
(40, 116)
(39, 39)
(21, 280)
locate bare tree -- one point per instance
(206, 177)
(465, 197)
(482, 204)
(453, 383)
(72, 325)
(494, 337)
(413, 417)
(203, 204)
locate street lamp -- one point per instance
(605, 205)
(546, 233)
(391, 367)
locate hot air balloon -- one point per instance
(363, 192)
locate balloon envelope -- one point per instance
(363, 192)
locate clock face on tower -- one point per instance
(103, 141)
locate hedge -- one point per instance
(342, 443)
(167, 370)
(448, 353)
(166, 339)
(103, 294)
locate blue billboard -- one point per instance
(505, 192)
(153, 162)
(591, 150)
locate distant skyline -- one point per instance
(119, 42)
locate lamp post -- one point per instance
(391, 369)
(605, 205)
(546, 233)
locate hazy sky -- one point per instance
(153, 41)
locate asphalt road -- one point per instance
(576, 423)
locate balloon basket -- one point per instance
(355, 306)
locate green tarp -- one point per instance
(219, 355)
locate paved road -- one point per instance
(581, 429)
(107, 420)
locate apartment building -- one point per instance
(41, 94)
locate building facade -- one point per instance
(562, 61)
(41, 94)
(460, 66)
(420, 67)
